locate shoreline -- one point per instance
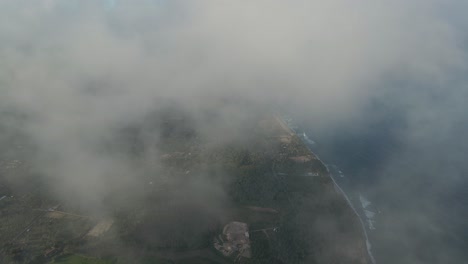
(339, 190)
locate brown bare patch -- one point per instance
(101, 227)
(55, 215)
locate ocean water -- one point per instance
(411, 218)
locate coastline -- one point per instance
(287, 126)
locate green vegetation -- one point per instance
(171, 213)
(154, 260)
(78, 259)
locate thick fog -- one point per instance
(72, 73)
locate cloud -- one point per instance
(80, 69)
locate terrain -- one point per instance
(180, 201)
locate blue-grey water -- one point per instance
(410, 218)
